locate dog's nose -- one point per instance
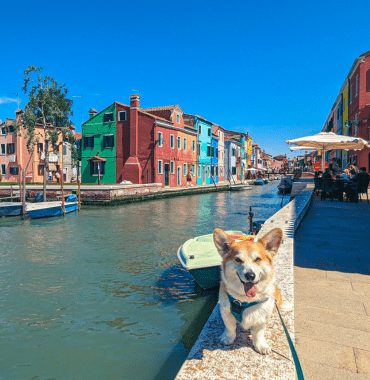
(250, 276)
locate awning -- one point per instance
(97, 158)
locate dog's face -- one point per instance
(247, 266)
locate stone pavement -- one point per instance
(332, 291)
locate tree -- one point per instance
(49, 108)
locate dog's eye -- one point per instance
(237, 260)
(258, 259)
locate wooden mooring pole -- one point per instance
(62, 183)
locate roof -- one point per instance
(96, 158)
(78, 136)
(160, 108)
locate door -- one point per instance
(167, 174)
(179, 175)
(204, 174)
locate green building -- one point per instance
(98, 153)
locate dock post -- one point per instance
(23, 192)
(79, 194)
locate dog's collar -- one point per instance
(237, 307)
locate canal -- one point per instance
(100, 294)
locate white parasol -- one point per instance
(327, 141)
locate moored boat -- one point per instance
(240, 187)
(266, 180)
(285, 185)
(11, 208)
(48, 209)
(201, 259)
(259, 182)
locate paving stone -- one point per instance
(338, 318)
(335, 334)
(325, 353)
(362, 361)
(318, 371)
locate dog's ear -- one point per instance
(222, 241)
(272, 240)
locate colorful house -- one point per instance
(351, 108)
(151, 145)
(220, 133)
(214, 158)
(16, 156)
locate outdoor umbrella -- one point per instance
(327, 141)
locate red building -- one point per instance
(154, 145)
(359, 108)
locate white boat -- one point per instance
(240, 187)
(47, 209)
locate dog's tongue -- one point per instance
(250, 289)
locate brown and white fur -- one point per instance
(247, 274)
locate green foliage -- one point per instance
(47, 107)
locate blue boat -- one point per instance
(259, 182)
(48, 209)
(11, 208)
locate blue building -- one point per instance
(214, 158)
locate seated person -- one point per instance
(361, 175)
(352, 173)
(327, 174)
(345, 174)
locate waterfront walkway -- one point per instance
(332, 291)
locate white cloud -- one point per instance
(5, 100)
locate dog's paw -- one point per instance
(226, 339)
(263, 348)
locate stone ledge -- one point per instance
(210, 360)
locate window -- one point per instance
(160, 139)
(233, 152)
(2, 151)
(209, 150)
(94, 167)
(356, 85)
(89, 142)
(208, 171)
(178, 142)
(10, 148)
(3, 130)
(213, 151)
(11, 129)
(185, 169)
(108, 141)
(64, 150)
(193, 145)
(160, 167)
(200, 129)
(198, 149)
(13, 170)
(209, 132)
(172, 167)
(178, 118)
(3, 169)
(40, 147)
(41, 169)
(121, 116)
(185, 143)
(233, 170)
(216, 152)
(172, 141)
(108, 117)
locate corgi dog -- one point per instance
(248, 290)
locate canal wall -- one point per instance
(111, 195)
(210, 360)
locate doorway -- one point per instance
(167, 174)
(179, 176)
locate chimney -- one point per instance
(92, 112)
(19, 114)
(135, 101)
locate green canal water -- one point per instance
(100, 294)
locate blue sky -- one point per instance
(269, 68)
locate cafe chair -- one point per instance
(318, 186)
(361, 188)
(327, 189)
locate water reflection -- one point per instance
(105, 286)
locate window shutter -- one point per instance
(104, 141)
(112, 137)
(85, 141)
(8, 148)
